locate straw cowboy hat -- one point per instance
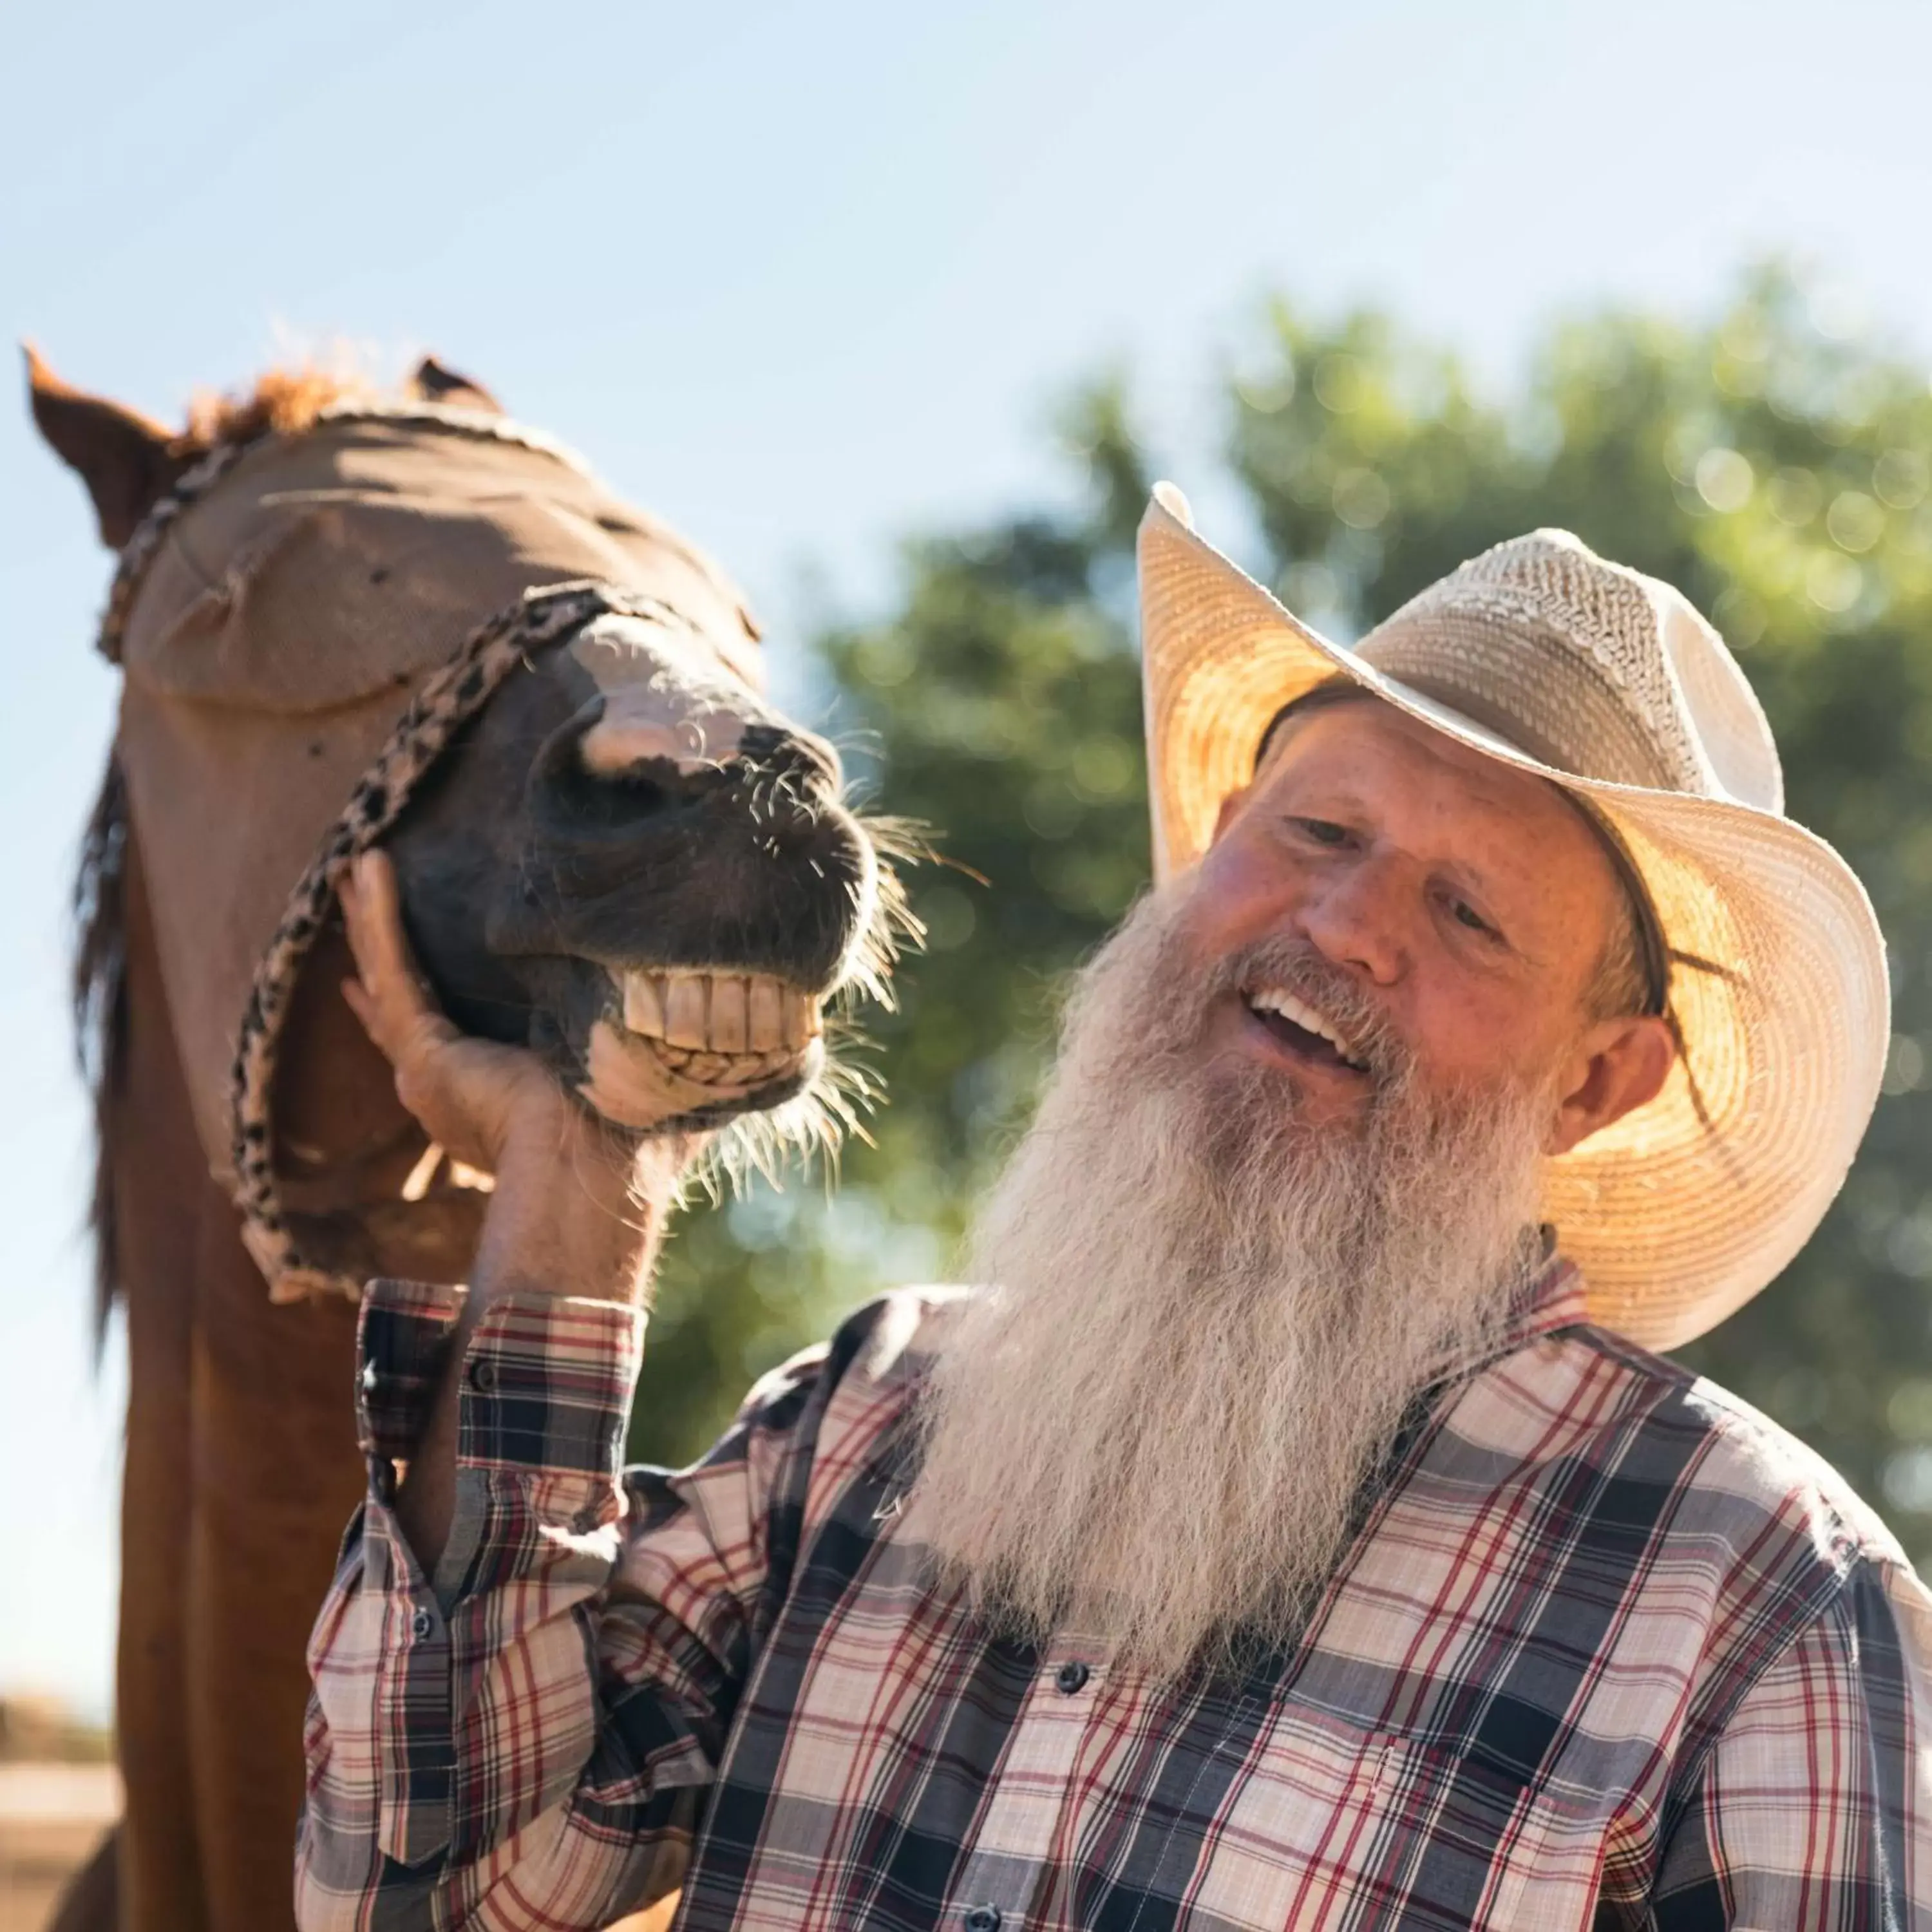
(1608, 683)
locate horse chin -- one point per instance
(637, 1081)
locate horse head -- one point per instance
(343, 618)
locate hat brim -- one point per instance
(1682, 1211)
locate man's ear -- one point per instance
(125, 460)
(1619, 1065)
(437, 382)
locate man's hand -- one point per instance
(578, 1203)
(473, 1098)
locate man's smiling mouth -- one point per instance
(1311, 1035)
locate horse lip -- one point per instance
(639, 1081)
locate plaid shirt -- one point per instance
(1608, 1649)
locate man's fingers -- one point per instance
(467, 1093)
(389, 999)
(360, 1005)
(372, 911)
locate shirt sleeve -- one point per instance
(525, 1737)
(1814, 1807)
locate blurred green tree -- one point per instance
(1774, 463)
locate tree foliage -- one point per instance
(1777, 469)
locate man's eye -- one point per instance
(1464, 913)
(1324, 832)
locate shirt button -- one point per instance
(983, 1919)
(483, 1375)
(421, 1625)
(1071, 1679)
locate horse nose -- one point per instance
(616, 740)
(620, 739)
(609, 769)
(640, 849)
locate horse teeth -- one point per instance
(764, 1030)
(684, 1010)
(740, 1027)
(729, 1018)
(801, 1022)
(643, 1005)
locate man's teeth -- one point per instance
(1277, 1000)
(741, 1016)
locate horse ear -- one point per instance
(125, 460)
(437, 383)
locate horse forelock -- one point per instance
(281, 402)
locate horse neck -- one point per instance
(240, 1469)
(151, 1185)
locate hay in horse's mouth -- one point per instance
(693, 1041)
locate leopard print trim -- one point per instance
(138, 552)
(540, 618)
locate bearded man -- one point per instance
(1294, 1530)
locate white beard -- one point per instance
(1209, 1317)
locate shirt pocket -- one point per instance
(1332, 1823)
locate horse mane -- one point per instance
(98, 993)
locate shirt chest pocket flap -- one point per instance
(1329, 1813)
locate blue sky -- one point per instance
(805, 280)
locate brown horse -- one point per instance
(612, 849)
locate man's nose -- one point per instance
(1354, 919)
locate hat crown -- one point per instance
(1595, 668)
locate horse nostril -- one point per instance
(621, 796)
(779, 781)
(793, 755)
(568, 791)
(605, 801)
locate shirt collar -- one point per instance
(1551, 1297)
